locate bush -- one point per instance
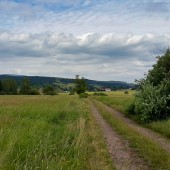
(151, 103)
(83, 95)
(130, 109)
(34, 91)
(126, 92)
(100, 94)
(72, 93)
(49, 90)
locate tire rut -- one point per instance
(123, 157)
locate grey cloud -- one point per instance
(95, 56)
(112, 46)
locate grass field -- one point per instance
(49, 132)
(119, 101)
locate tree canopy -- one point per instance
(80, 85)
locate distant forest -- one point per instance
(60, 84)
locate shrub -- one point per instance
(49, 90)
(34, 91)
(72, 93)
(83, 95)
(151, 103)
(126, 92)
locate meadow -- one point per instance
(59, 132)
(120, 101)
(50, 132)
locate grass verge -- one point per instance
(162, 127)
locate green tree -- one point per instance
(152, 101)
(161, 70)
(49, 90)
(25, 86)
(1, 88)
(9, 86)
(80, 85)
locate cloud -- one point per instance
(79, 17)
(66, 54)
(107, 38)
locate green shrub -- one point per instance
(83, 95)
(72, 93)
(126, 92)
(151, 103)
(49, 90)
(34, 91)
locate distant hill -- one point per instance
(67, 83)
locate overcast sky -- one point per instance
(97, 39)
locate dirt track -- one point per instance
(162, 141)
(124, 157)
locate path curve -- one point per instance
(158, 138)
(123, 157)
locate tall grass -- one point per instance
(49, 132)
(162, 127)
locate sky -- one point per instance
(97, 39)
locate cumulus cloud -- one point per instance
(109, 54)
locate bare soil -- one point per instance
(123, 156)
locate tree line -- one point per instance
(9, 86)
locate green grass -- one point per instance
(120, 101)
(117, 99)
(49, 132)
(158, 158)
(162, 127)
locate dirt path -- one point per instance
(124, 157)
(162, 141)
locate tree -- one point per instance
(1, 88)
(80, 85)
(25, 86)
(9, 86)
(49, 90)
(161, 70)
(152, 101)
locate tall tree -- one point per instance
(161, 70)
(1, 88)
(81, 85)
(25, 86)
(9, 86)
